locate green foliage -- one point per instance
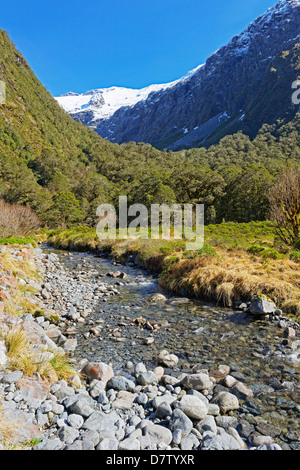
(18, 241)
(256, 249)
(63, 170)
(294, 255)
(206, 250)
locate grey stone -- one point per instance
(90, 435)
(147, 378)
(221, 441)
(49, 444)
(121, 383)
(262, 305)
(140, 368)
(193, 407)
(226, 402)
(142, 399)
(189, 443)
(207, 424)
(129, 444)
(163, 410)
(165, 398)
(108, 444)
(158, 434)
(75, 420)
(179, 420)
(68, 434)
(198, 382)
(96, 388)
(12, 377)
(82, 408)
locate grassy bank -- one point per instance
(236, 262)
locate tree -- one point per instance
(65, 209)
(284, 200)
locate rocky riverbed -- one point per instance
(157, 372)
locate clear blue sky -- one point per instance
(80, 45)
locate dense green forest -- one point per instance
(64, 170)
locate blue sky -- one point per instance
(80, 45)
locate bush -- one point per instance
(294, 255)
(17, 220)
(255, 249)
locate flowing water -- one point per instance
(198, 333)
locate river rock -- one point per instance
(147, 378)
(124, 400)
(119, 382)
(193, 407)
(166, 359)
(226, 402)
(157, 298)
(198, 382)
(262, 305)
(179, 420)
(222, 441)
(131, 443)
(207, 424)
(158, 434)
(163, 410)
(98, 370)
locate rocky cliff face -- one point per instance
(218, 97)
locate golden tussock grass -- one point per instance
(236, 275)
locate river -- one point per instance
(198, 333)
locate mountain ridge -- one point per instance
(218, 94)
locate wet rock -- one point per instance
(157, 298)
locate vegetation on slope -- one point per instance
(64, 170)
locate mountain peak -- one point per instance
(187, 111)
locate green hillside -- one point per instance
(64, 170)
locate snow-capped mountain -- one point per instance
(231, 91)
(102, 103)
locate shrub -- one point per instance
(255, 249)
(284, 200)
(17, 220)
(294, 255)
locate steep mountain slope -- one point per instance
(101, 104)
(46, 158)
(230, 92)
(64, 170)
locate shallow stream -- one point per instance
(198, 333)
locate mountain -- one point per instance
(242, 86)
(63, 169)
(102, 103)
(47, 160)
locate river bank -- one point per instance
(93, 309)
(237, 262)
